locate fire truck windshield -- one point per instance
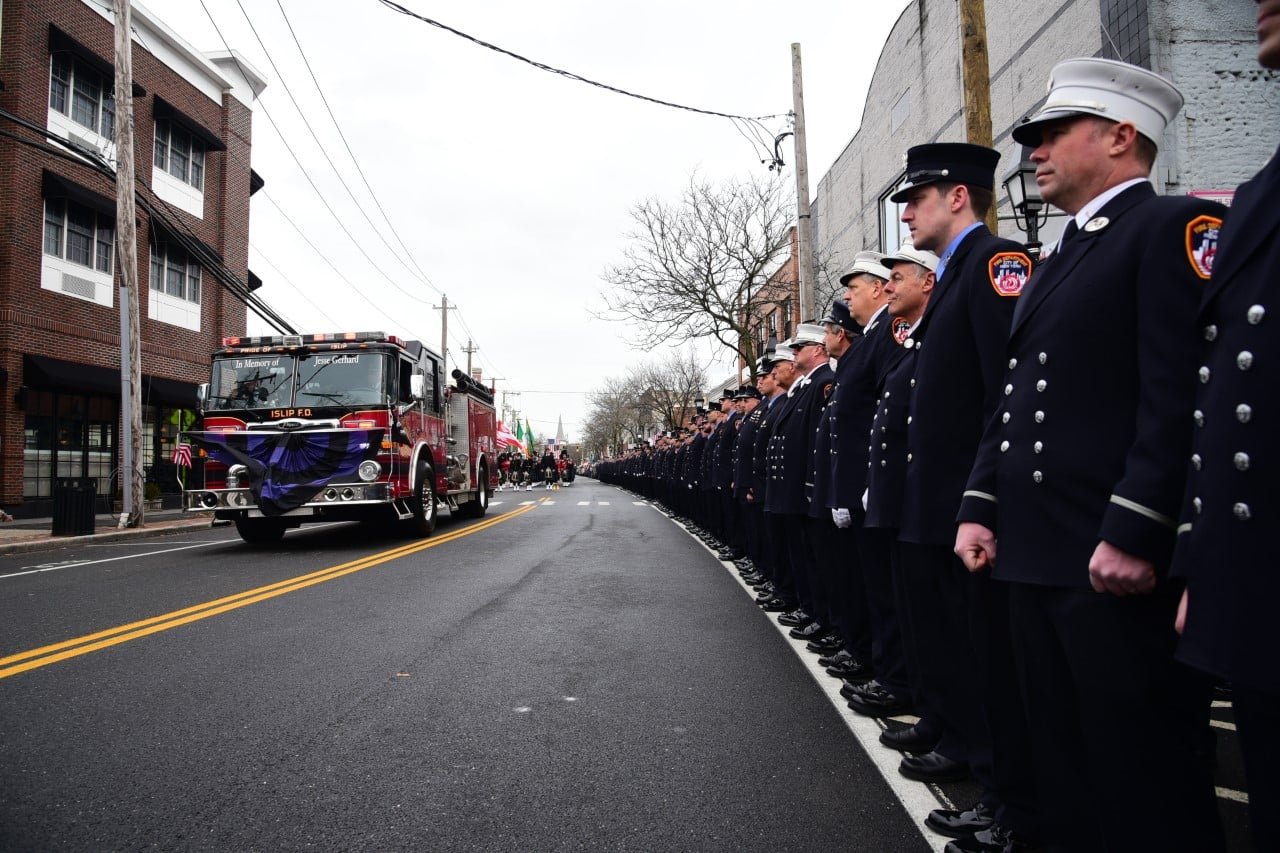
(342, 378)
(251, 382)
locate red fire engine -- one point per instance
(337, 427)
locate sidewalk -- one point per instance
(35, 534)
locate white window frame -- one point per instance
(175, 286)
(893, 231)
(62, 102)
(73, 278)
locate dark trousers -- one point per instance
(849, 593)
(1115, 721)
(1258, 725)
(888, 659)
(935, 590)
(729, 520)
(751, 523)
(780, 557)
(800, 560)
(824, 565)
(711, 510)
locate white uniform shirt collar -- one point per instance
(1090, 210)
(875, 318)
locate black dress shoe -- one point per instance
(907, 739)
(932, 767)
(775, 605)
(824, 645)
(873, 700)
(833, 659)
(850, 670)
(960, 823)
(795, 619)
(808, 632)
(996, 839)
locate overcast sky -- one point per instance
(511, 187)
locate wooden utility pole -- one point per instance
(469, 349)
(976, 80)
(127, 263)
(444, 309)
(803, 224)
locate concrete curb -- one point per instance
(42, 541)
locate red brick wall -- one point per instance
(782, 286)
(42, 322)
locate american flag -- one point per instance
(182, 455)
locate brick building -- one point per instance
(1207, 47)
(59, 300)
(775, 311)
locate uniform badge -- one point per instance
(1202, 243)
(1096, 224)
(901, 328)
(1009, 272)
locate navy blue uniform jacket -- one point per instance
(1090, 441)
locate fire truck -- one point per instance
(358, 426)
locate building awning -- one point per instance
(53, 374)
(211, 140)
(53, 185)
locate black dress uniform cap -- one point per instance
(952, 162)
(1106, 88)
(838, 315)
(747, 392)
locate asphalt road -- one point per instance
(573, 674)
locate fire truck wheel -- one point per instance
(477, 507)
(424, 509)
(260, 531)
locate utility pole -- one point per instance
(444, 308)
(469, 349)
(803, 222)
(976, 80)
(127, 261)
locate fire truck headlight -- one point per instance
(208, 500)
(369, 470)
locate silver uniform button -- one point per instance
(1013, 362)
(1255, 314)
(1037, 476)
(1008, 389)
(1038, 447)
(1004, 445)
(908, 457)
(883, 446)
(1004, 418)
(1210, 332)
(1041, 385)
(1244, 360)
(909, 343)
(1196, 461)
(1039, 417)
(1199, 417)
(883, 463)
(913, 383)
(1204, 374)
(1242, 461)
(886, 395)
(1197, 504)
(1044, 358)
(1241, 511)
(909, 419)
(1244, 412)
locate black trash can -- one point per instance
(73, 505)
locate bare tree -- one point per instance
(657, 395)
(694, 269)
(669, 387)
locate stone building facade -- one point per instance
(59, 299)
(1208, 48)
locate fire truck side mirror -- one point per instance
(202, 395)
(418, 386)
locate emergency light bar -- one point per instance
(303, 340)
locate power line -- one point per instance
(347, 145)
(569, 74)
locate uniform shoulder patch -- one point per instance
(1009, 272)
(827, 389)
(1202, 243)
(901, 328)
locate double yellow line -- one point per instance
(46, 655)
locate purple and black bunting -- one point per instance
(287, 470)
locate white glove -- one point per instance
(865, 492)
(842, 518)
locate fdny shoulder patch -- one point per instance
(901, 328)
(826, 390)
(1202, 243)
(1009, 272)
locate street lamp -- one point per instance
(1030, 213)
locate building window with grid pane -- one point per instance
(179, 153)
(82, 95)
(78, 234)
(1126, 33)
(174, 272)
